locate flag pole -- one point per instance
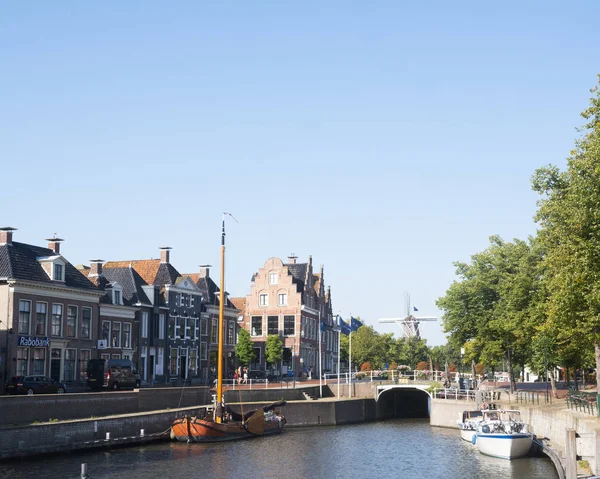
(350, 360)
(339, 330)
(320, 358)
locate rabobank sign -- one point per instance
(35, 342)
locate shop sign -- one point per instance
(34, 342)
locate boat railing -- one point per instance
(455, 393)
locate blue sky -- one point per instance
(387, 139)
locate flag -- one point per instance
(355, 324)
(323, 326)
(344, 326)
(415, 309)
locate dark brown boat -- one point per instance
(260, 422)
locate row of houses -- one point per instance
(55, 317)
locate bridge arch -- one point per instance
(403, 401)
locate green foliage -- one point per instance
(244, 349)
(273, 349)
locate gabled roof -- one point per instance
(239, 303)
(166, 274)
(130, 281)
(209, 289)
(20, 261)
(147, 269)
(298, 272)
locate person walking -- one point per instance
(245, 375)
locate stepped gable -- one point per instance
(20, 261)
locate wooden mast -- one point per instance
(222, 299)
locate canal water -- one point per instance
(400, 448)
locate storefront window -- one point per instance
(193, 361)
(173, 362)
(84, 357)
(70, 355)
(22, 361)
(39, 361)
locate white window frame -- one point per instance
(282, 299)
(161, 326)
(89, 334)
(273, 278)
(144, 324)
(123, 345)
(76, 320)
(28, 302)
(263, 299)
(117, 295)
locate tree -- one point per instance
(367, 346)
(344, 347)
(244, 349)
(569, 216)
(273, 349)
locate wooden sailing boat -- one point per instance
(227, 425)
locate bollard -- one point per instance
(142, 432)
(84, 471)
(108, 436)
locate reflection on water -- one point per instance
(388, 449)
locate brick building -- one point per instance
(49, 312)
(290, 300)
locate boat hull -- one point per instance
(467, 435)
(507, 446)
(201, 430)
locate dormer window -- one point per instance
(117, 294)
(58, 272)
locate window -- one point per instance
(127, 335)
(204, 327)
(172, 327)
(115, 356)
(256, 326)
(117, 296)
(272, 325)
(193, 364)
(182, 300)
(71, 321)
(39, 361)
(189, 325)
(173, 362)
(22, 360)
(263, 300)
(213, 331)
(115, 338)
(105, 356)
(84, 357)
(57, 314)
(289, 325)
(106, 332)
(282, 299)
(24, 316)
(180, 327)
(70, 364)
(231, 333)
(155, 325)
(41, 310)
(272, 278)
(161, 326)
(160, 360)
(192, 301)
(58, 272)
(196, 329)
(145, 324)
(86, 323)
(203, 351)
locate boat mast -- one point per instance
(222, 299)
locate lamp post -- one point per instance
(462, 353)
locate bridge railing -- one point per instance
(395, 376)
(453, 393)
(249, 384)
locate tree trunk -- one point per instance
(510, 372)
(597, 354)
(553, 384)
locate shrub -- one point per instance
(366, 366)
(393, 366)
(422, 366)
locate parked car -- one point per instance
(36, 384)
(112, 374)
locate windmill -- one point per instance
(410, 323)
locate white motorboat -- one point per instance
(468, 423)
(502, 433)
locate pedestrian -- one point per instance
(310, 372)
(239, 374)
(245, 375)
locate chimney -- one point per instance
(6, 235)
(96, 267)
(205, 270)
(165, 254)
(54, 243)
(292, 258)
